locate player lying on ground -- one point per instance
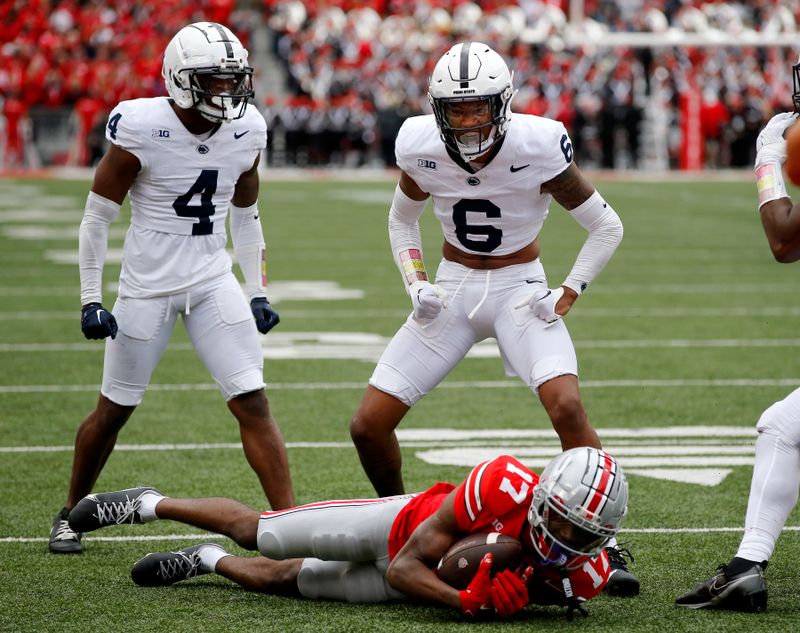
(383, 549)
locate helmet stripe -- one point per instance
(604, 480)
(223, 38)
(463, 71)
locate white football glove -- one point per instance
(543, 303)
(771, 144)
(427, 300)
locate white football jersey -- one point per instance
(180, 198)
(500, 208)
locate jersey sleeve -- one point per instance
(402, 147)
(259, 139)
(556, 154)
(494, 488)
(124, 130)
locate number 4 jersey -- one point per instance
(180, 198)
(500, 208)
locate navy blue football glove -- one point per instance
(97, 322)
(266, 317)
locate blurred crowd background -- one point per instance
(640, 84)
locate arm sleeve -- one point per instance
(404, 233)
(249, 249)
(605, 234)
(98, 214)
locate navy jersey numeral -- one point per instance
(113, 122)
(206, 186)
(566, 148)
(466, 232)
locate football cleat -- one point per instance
(108, 508)
(745, 591)
(621, 582)
(167, 568)
(63, 539)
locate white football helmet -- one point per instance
(577, 506)
(469, 72)
(205, 67)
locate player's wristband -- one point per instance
(413, 266)
(770, 184)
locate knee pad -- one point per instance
(342, 580)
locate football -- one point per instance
(461, 561)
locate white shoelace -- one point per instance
(181, 566)
(118, 512)
(64, 532)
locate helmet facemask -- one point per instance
(219, 94)
(796, 87)
(471, 142)
(561, 537)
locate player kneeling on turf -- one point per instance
(374, 550)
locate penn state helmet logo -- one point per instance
(473, 181)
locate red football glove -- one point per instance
(510, 592)
(479, 592)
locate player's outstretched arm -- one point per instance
(411, 571)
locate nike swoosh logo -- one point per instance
(515, 169)
(532, 281)
(240, 134)
(98, 315)
(255, 217)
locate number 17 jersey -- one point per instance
(180, 197)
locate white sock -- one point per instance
(210, 554)
(147, 506)
(773, 494)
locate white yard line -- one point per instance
(455, 384)
(589, 344)
(615, 313)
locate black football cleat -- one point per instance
(108, 508)
(167, 568)
(621, 582)
(63, 539)
(745, 591)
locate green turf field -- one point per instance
(684, 339)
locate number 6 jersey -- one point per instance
(500, 208)
(180, 198)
